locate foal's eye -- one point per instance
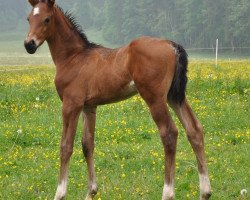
(28, 19)
(46, 21)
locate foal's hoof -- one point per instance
(90, 196)
(59, 198)
(206, 196)
(92, 192)
(168, 198)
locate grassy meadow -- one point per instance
(129, 155)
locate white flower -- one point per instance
(243, 192)
(19, 131)
(36, 105)
(37, 99)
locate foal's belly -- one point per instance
(115, 95)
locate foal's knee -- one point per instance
(87, 146)
(85, 149)
(66, 150)
(169, 137)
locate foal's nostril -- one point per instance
(32, 42)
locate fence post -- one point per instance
(216, 56)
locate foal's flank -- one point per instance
(89, 75)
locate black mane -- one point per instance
(78, 28)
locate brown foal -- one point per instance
(88, 75)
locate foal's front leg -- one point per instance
(70, 114)
(89, 116)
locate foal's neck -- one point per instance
(65, 43)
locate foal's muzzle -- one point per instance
(30, 46)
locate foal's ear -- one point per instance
(51, 2)
(33, 2)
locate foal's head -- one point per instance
(41, 23)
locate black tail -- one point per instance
(177, 90)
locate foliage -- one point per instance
(129, 155)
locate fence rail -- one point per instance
(19, 57)
(213, 48)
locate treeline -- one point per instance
(193, 23)
(10, 13)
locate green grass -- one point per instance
(228, 54)
(129, 155)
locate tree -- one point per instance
(113, 20)
(193, 23)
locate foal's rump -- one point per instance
(158, 67)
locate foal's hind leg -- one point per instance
(168, 133)
(195, 136)
(89, 116)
